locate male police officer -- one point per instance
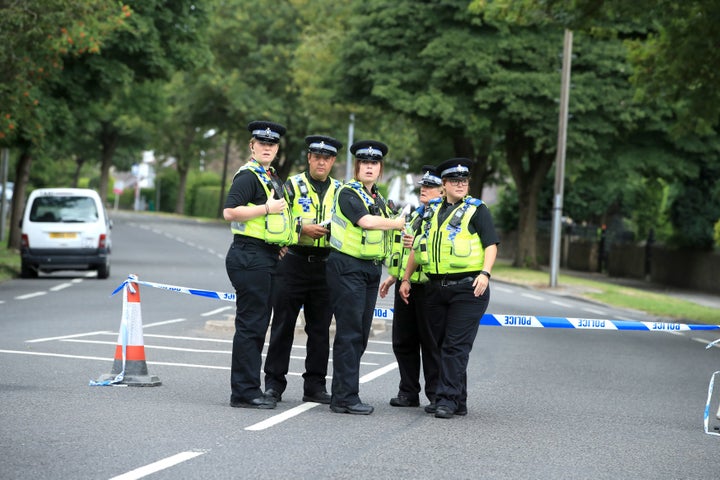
(301, 276)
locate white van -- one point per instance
(65, 229)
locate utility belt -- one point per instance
(452, 279)
(244, 239)
(361, 260)
(310, 254)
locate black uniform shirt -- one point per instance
(481, 222)
(353, 207)
(245, 189)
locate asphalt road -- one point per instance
(542, 403)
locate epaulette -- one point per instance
(475, 202)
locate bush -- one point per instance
(206, 201)
(716, 234)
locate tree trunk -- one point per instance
(182, 169)
(109, 138)
(482, 169)
(529, 177)
(79, 162)
(22, 175)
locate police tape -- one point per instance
(528, 321)
(229, 297)
(492, 320)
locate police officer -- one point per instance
(301, 276)
(361, 240)
(457, 249)
(262, 225)
(411, 333)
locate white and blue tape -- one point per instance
(529, 321)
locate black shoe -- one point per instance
(461, 410)
(317, 397)
(443, 412)
(262, 402)
(403, 401)
(274, 394)
(357, 409)
(431, 408)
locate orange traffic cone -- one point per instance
(129, 366)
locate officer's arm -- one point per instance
(243, 213)
(376, 222)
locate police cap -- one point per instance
(430, 177)
(455, 167)
(323, 145)
(369, 150)
(266, 132)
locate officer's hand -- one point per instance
(314, 231)
(404, 291)
(480, 284)
(276, 205)
(385, 286)
(283, 251)
(407, 240)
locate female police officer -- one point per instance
(261, 224)
(457, 248)
(359, 234)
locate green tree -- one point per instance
(38, 37)
(491, 89)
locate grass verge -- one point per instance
(9, 263)
(653, 303)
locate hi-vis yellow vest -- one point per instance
(355, 241)
(450, 247)
(308, 209)
(397, 261)
(274, 228)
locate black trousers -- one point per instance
(251, 269)
(299, 284)
(411, 336)
(454, 314)
(353, 285)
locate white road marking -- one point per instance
(534, 297)
(560, 304)
(30, 295)
(157, 466)
(593, 310)
(47, 339)
(287, 415)
(62, 286)
(294, 412)
(216, 311)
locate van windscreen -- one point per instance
(52, 209)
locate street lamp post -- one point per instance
(560, 163)
(351, 134)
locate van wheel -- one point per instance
(27, 270)
(103, 271)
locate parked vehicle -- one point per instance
(65, 229)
